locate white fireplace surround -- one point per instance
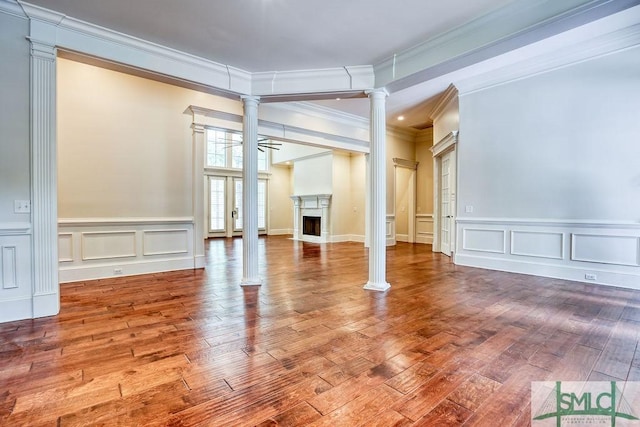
(312, 205)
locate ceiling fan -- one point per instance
(262, 144)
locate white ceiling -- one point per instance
(278, 35)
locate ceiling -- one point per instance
(278, 35)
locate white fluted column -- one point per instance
(378, 193)
(296, 217)
(44, 188)
(250, 192)
(199, 195)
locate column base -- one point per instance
(375, 286)
(252, 281)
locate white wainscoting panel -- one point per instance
(390, 232)
(95, 248)
(606, 249)
(65, 247)
(483, 240)
(540, 244)
(165, 242)
(424, 228)
(108, 244)
(16, 293)
(599, 252)
(9, 267)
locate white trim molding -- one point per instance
(424, 228)
(95, 248)
(591, 251)
(445, 144)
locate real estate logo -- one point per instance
(590, 403)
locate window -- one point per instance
(224, 159)
(217, 204)
(224, 150)
(262, 204)
(216, 148)
(236, 151)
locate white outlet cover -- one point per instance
(22, 206)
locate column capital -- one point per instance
(197, 128)
(250, 99)
(377, 93)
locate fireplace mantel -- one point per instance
(312, 205)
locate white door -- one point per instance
(225, 206)
(446, 204)
(236, 213)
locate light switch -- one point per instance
(468, 209)
(22, 206)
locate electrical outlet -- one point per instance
(117, 270)
(22, 206)
(590, 276)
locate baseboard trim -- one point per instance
(78, 274)
(426, 240)
(605, 277)
(280, 231)
(17, 309)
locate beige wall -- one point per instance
(400, 145)
(280, 205)
(358, 166)
(124, 144)
(341, 212)
(424, 174)
(125, 151)
(448, 121)
(313, 175)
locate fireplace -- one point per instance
(311, 225)
(311, 218)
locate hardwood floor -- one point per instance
(446, 345)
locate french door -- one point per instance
(225, 206)
(447, 202)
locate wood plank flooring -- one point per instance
(446, 345)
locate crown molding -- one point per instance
(510, 27)
(445, 143)
(425, 136)
(408, 134)
(323, 112)
(89, 39)
(409, 164)
(446, 98)
(330, 80)
(11, 7)
(607, 36)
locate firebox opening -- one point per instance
(311, 225)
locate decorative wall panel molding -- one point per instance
(65, 247)
(93, 248)
(605, 249)
(16, 290)
(390, 230)
(108, 245)
(9, 267)
(483, 240)
(424, 228)
(582, 250)
(165, 242)
(540, 244)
